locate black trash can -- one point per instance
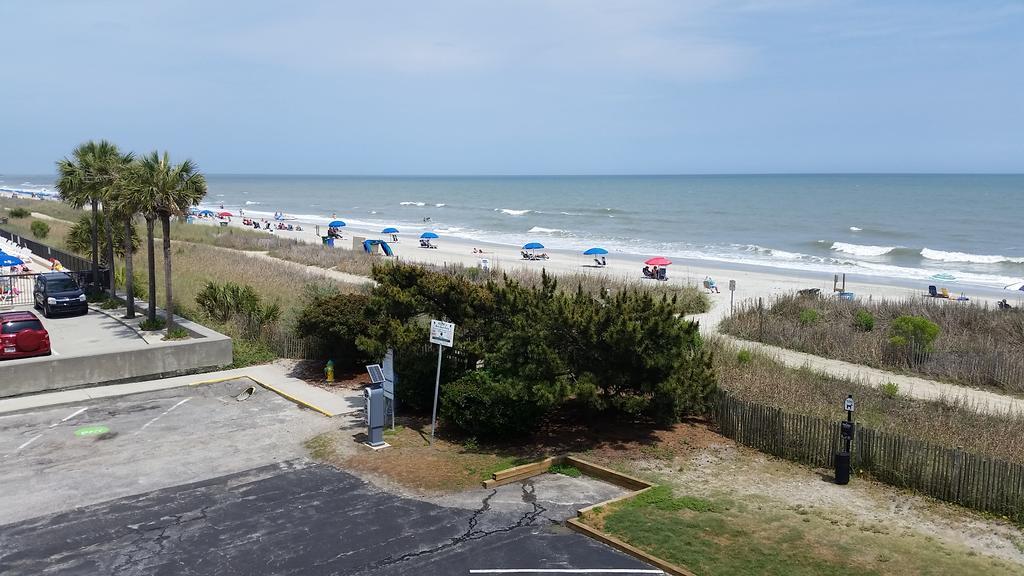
(842, 468)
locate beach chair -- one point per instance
(933, 291)
(662, 274)
(944, 293)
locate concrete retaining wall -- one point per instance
(211, 349)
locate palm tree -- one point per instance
(89, 177)
(127, 201)
(166, 190)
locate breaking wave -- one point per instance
(512, 212)
(966, 257)
(861, 250)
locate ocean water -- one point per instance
(963, 229)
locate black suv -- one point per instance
(58, 293)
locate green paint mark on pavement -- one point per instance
(91, 430)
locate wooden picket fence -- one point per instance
(970, 480)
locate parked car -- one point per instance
(22, 335)
(58, 293)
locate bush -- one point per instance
(913, 332)
(177, 333)
(809, 316)
(249, 353)
(40, 229)
(565, 470)
(222, 302)
(486, 406)
(864, 321)
(338, 320)
(743, 357)
(890, 389)
(138, 282)
(19, 213)
(152, 325)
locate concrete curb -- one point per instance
(635, 485)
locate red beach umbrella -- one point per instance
(658, 261)
(224, 214)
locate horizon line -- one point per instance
(578, 175)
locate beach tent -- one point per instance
(658, 261)
(429, 236)
(389, 230)
(1017, 286)
(336, 224)
(369, 244)
(595, 252)
(533, 246)
(206, 213)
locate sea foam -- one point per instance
(862, 250)
(966, 257)
(412, 203)
(512, 212)
(542, 230)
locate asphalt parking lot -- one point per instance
(193, 481)
(82, 335)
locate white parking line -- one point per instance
(69, 417)
(566, 571)
(33, 439)
(165, 413)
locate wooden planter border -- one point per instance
(633, 484)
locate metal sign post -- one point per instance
(732, 293)
(388, 367)
(443, 334)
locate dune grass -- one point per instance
(755, 377)
(976, 345)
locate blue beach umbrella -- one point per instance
(206, 213)
(8, 260)
(428, 235)
(389, 230)
(595, 251)
(533, 246)
(336, 224)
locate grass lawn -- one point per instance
(725, 537)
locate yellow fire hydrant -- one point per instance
(329, 370)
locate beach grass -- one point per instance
(977, 345)
(755, 377)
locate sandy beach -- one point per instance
(751, 281)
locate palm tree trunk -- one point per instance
(108, 231)
(165, 220)
(129, 268)
(151, 256)
(95, 245)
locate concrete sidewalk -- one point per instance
(271, 376)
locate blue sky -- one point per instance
(530, 87)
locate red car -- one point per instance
(22, 335)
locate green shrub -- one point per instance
(864, 321)
(337, 320)
(809, 316)
(913, 332)
(485, 406)
(110, 304)
(890, 389)
(565, 470)
(177, 333)
(152, 325)
(138, 282)
(19, 213)
(249, 353)
(40, 229)
(744, 357)
(223, 302)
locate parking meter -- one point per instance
(374, 396)
(842, 458)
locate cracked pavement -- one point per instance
(305, 518)
(159, 485)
